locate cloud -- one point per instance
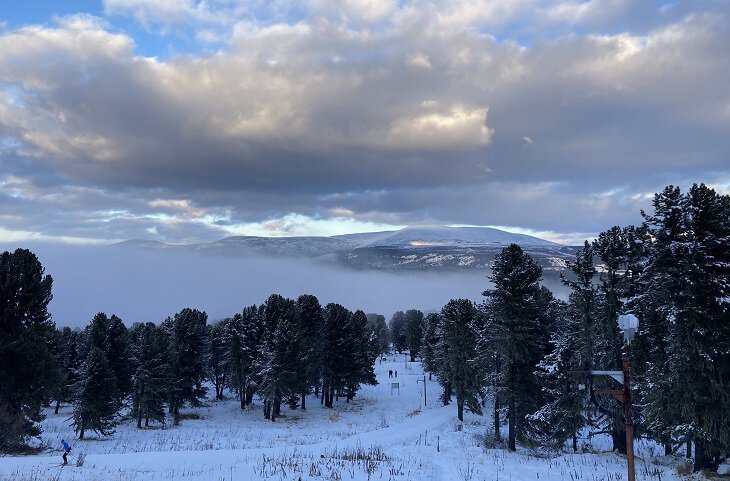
(396, 112)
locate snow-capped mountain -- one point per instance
(412, 248)
(444, 236)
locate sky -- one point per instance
(188, 121)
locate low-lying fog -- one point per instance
(139, 284)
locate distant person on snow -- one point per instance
(66, 450)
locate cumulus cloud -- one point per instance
(369, 110)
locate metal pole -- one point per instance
(424, 391)
(628, 416)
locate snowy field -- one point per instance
(385, 434)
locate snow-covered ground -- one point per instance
(386, 433)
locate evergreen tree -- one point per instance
(562, 413)
(28, 369)
(459, 325)
(243, 342)
(149, 355)
(187, 352)
(687, 282)
(362, 354)
(217, 363)
(436, 352)
(110, 336)
(334, 356)
(397, 327)
(413, 332)
(310, 323)
(69, 362)
(380, 330)
(279, 374)
(95, 398)
(515, 304)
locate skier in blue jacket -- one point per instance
(66, 450)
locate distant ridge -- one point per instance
(444, 236)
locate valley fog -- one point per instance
(139, 284)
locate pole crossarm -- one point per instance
(617, 393)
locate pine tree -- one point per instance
(69, 362)
(562, 414)
(686, 286)
(244, 339)
(413, 329)
(334, 354)
(95, 398)
(110, 335)
(310, 322)
(362, 354)
(436, 351)
(397, 328)
(380, 330)
(151, 369)
(515, 305)
(281, 355)
(187, 352)
(217, 364)
(28, 369)
(459, 325)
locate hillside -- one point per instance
(386, 433)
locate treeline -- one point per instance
(280, 351)
(517, 352)
(521, 348)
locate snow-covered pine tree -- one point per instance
(435, 351)
(243, 342)
(187, 352)
(376, 323)
(612, 249)
(361, 355)
(217, 365)
(310, 322)
(460, 329)
(26, 333)
(334, 354)
(515, 305)
(150, 378)
(563, 412)
(685, 299)
(95, 395)
(69, 363)
(281, 355)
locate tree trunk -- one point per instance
(701, 459)
(618, 436)
(58, 406)
(689, 449)
(267, 409)
(497, 422)
(460, 409)
(304, 401)
(667, 449)
(81, 434)
(575, 443)
(139, 418)
(512, 432)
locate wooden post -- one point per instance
(629, 416)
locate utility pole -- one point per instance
(628, 323)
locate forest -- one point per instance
(520, 352)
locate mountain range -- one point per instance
(421, 247)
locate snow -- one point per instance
(383, 434)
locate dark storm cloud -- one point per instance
(400, 113)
